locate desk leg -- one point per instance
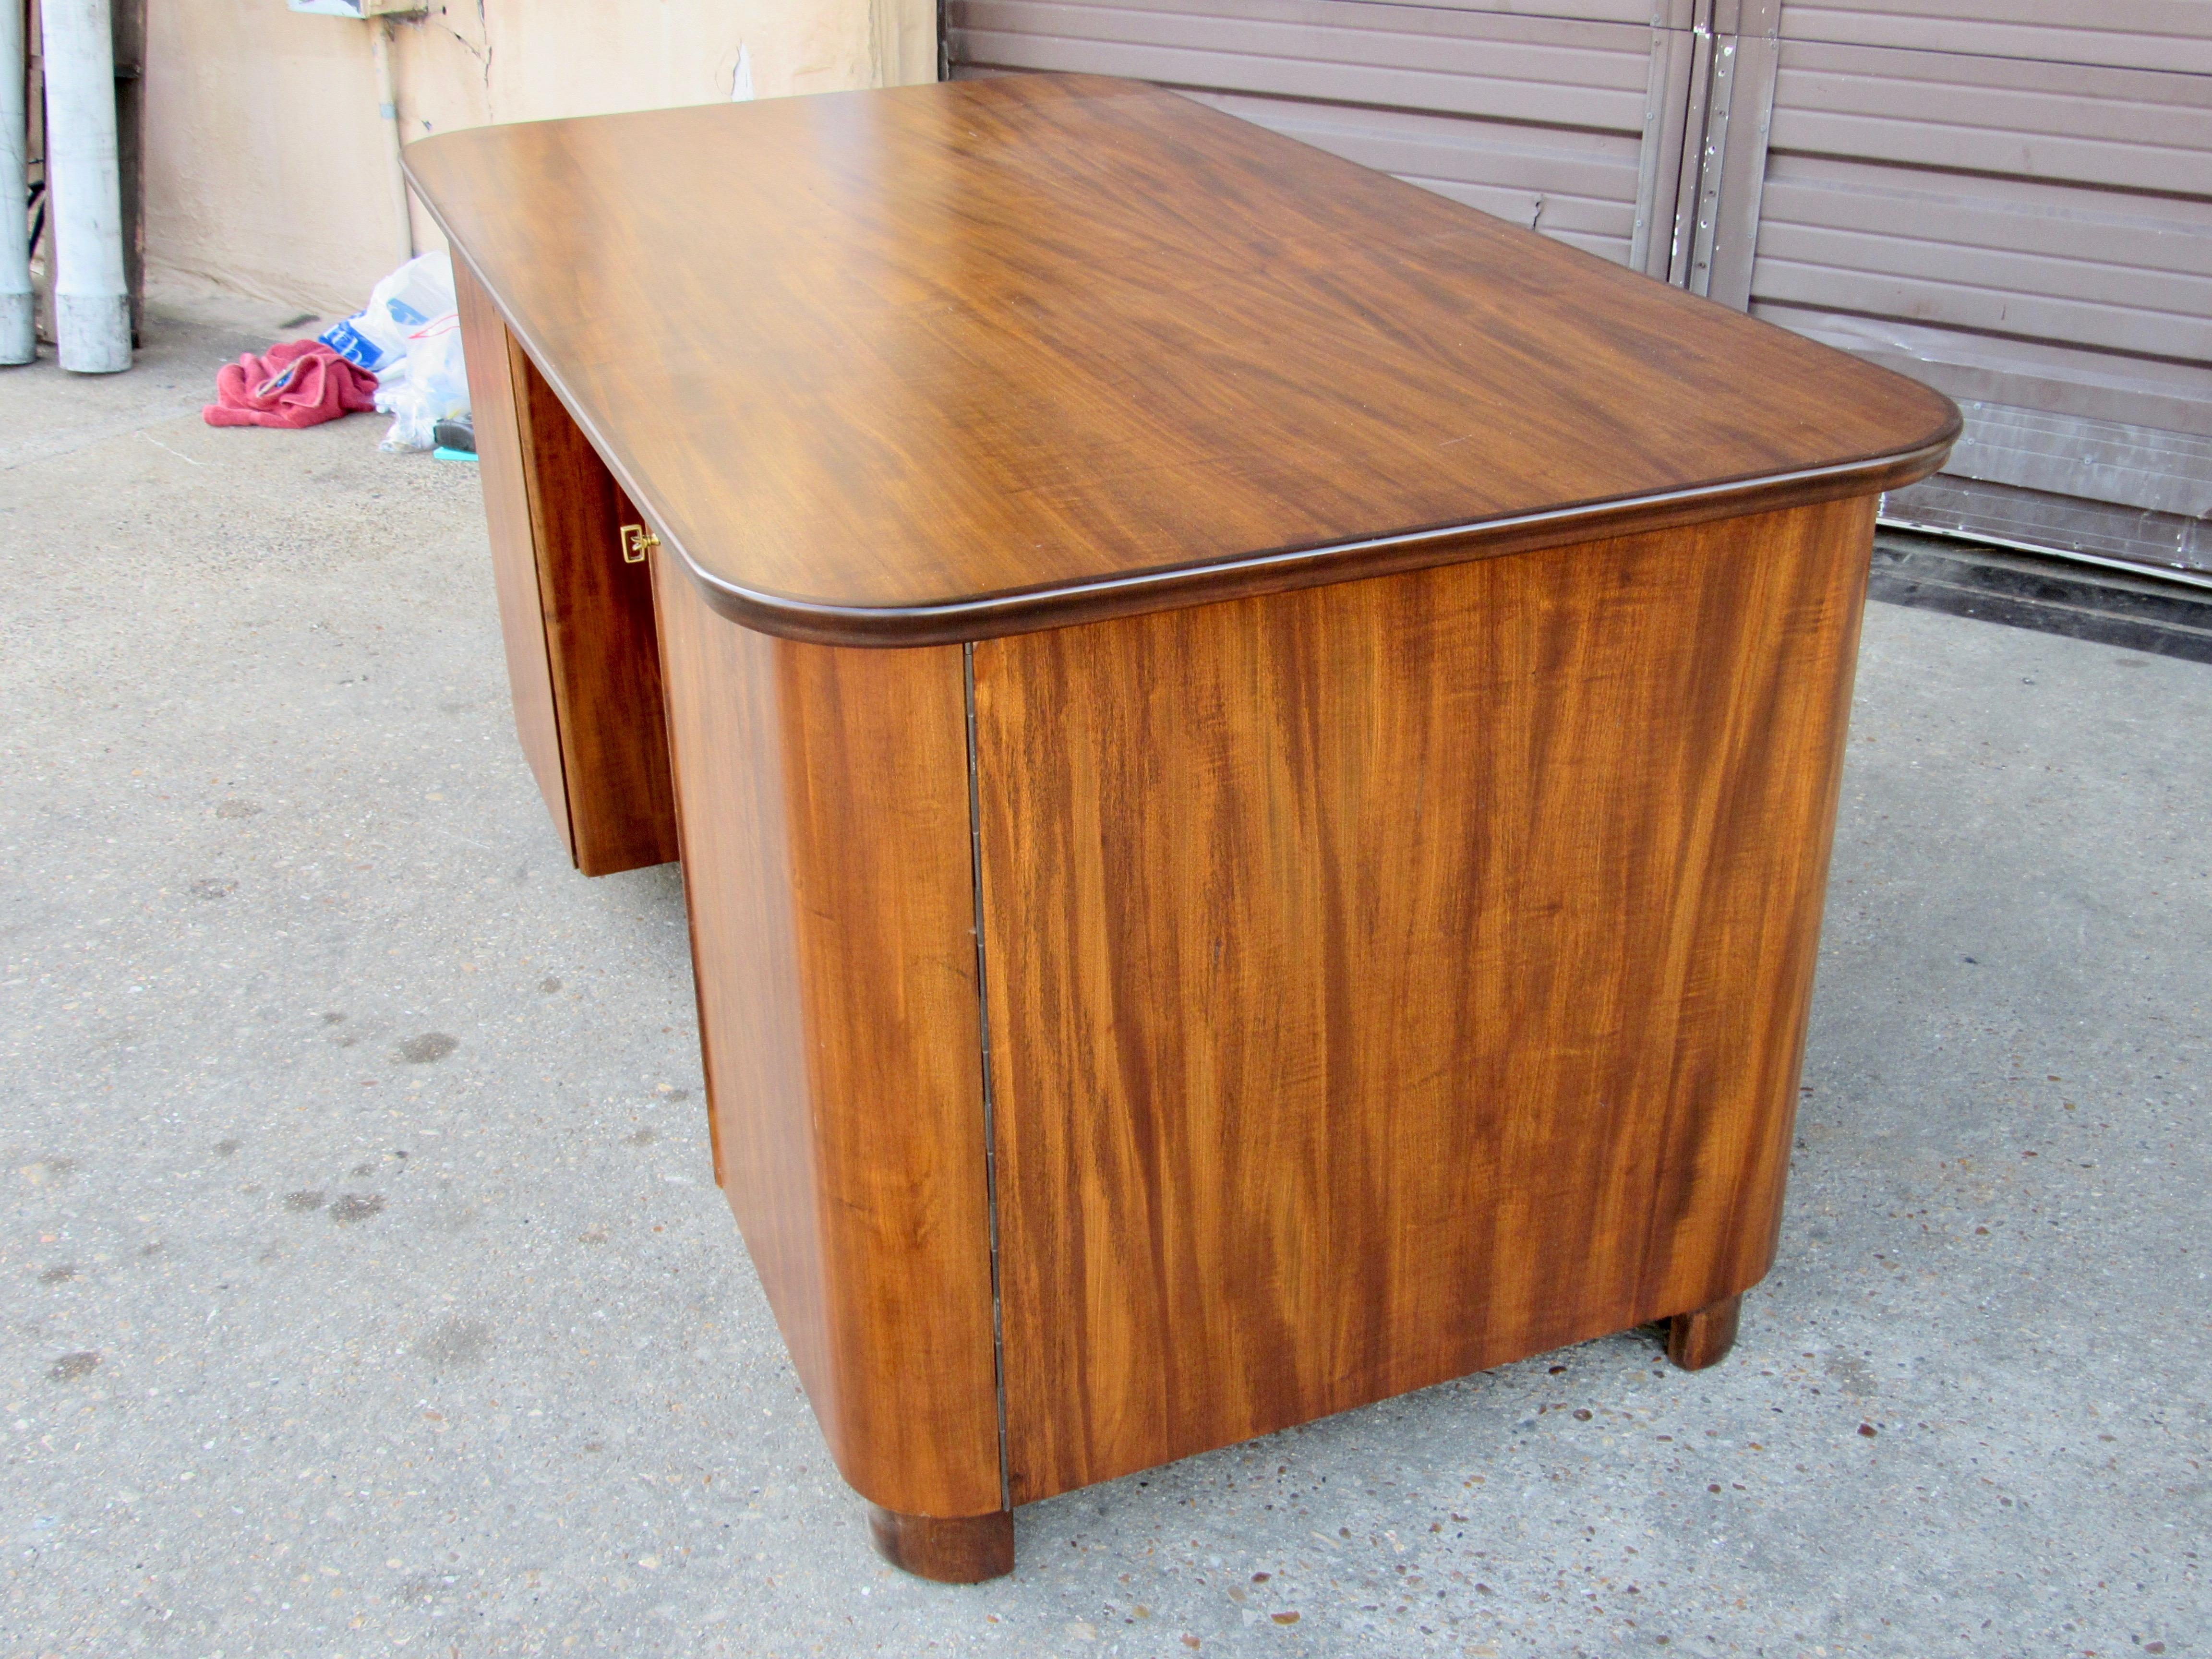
(1695, 1340)
(967, 1551)
(577, 619)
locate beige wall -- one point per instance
(268, 169)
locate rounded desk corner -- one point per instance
(431, 150)
(819, 621)
(1925, 458)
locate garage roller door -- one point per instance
(2010, 199)
(1553, 115)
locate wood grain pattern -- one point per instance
(950, 362)
(558, 548)
(1387, 980)
(491, 354)
(823, 797)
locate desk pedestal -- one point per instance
(1128, 1038)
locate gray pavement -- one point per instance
(365, 1290)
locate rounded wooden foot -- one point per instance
(1695, 1340)
(965, 1550)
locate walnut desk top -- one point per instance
(958, 361)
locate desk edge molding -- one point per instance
(1169, 587)
(1028, 610)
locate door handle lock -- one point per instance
(636, 541)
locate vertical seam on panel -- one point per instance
(1649, 150)
(983, 1035)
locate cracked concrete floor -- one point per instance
(365, 1290)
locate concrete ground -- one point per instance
(366, 1291)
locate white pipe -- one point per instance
(19, 336)
(84, 188)
(388, 107)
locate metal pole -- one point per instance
(19, 338)
(388, 107)
(91, 299)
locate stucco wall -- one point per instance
(267, 166)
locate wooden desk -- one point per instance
(1253, 750)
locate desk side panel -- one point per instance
(822, 796)
(1392, 980)
(493, 362)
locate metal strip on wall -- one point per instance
(1669, 118)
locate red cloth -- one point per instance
(297, 383)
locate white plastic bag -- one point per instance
(375, 337)
(428, 384)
